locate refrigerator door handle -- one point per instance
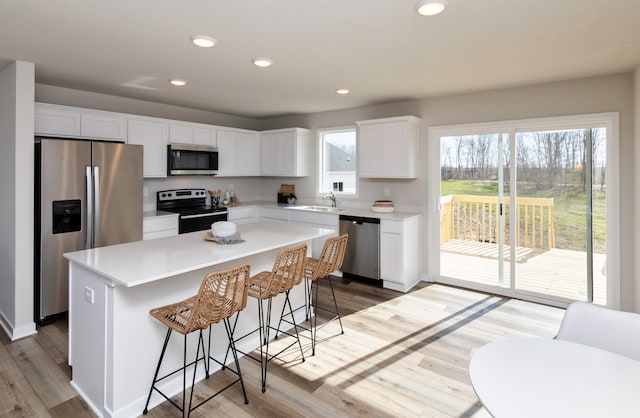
(88, 230)
(96, 208)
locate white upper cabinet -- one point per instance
(153, 135)
(238, 153)
(388, 148)
(285, 152)
(65, 121)
(192, 133)
(103, 126)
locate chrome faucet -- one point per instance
(332, 197)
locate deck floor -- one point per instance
(554, 272)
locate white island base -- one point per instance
(114, 343)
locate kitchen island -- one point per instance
(114, 343)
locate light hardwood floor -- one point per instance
(402, 355)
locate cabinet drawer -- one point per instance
(272, 213)
(391, 227)
(242, 215)
(329, 220)
(160, 223)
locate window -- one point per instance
(337, 161)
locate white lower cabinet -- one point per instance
(159, 226)
(400, 253)
(243, 214)
(273, 214)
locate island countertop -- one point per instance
(141, 262)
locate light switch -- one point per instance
(88, 294)
(387, 191)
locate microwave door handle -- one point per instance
(96, 210)
(88, 227)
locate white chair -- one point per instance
(600, 327)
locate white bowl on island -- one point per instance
(223, 229)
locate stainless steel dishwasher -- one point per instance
(362, 256)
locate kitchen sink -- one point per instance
(319, 208)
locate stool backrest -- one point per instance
(332, 256)
(288, 269)
(221, 294)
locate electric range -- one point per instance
(195, 213)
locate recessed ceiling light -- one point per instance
(203, 41)
(430, 7)
(177, 82)
(342, 91)
(262, 62)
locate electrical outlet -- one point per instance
(88, 294)
(387, 191)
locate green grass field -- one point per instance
(570, 212)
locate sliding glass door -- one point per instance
(522, 209)
(472, 196)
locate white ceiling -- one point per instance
(379, 49)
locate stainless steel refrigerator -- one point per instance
(87, 194)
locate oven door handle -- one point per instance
(202, 215)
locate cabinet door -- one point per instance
(391, 257)
(370, 150)
(180, 134)
(96, 125)
(153, 136)
(270, 144)
(248, 154)
(398, 155)
(204, 136)
(226, 153)
(52, 121)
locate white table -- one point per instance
(536, 377)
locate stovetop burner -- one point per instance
(186, 202)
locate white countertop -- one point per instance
(368, 213)
(140, 262)
(158, 214)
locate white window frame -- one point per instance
(320, 161)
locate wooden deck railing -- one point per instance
(468, 217)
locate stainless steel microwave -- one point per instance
(185, 159)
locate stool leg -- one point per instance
(281, 315)
(266, 323)
(235, 357)
(295, 326)
(233, 330)
(335, 303)
(155, 375)
(314, 323)
(195, 368)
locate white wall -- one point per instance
(592, 95)
(16, 205)
(636, 247)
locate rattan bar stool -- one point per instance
(288, 270)
(330, 260)
(221, 294)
